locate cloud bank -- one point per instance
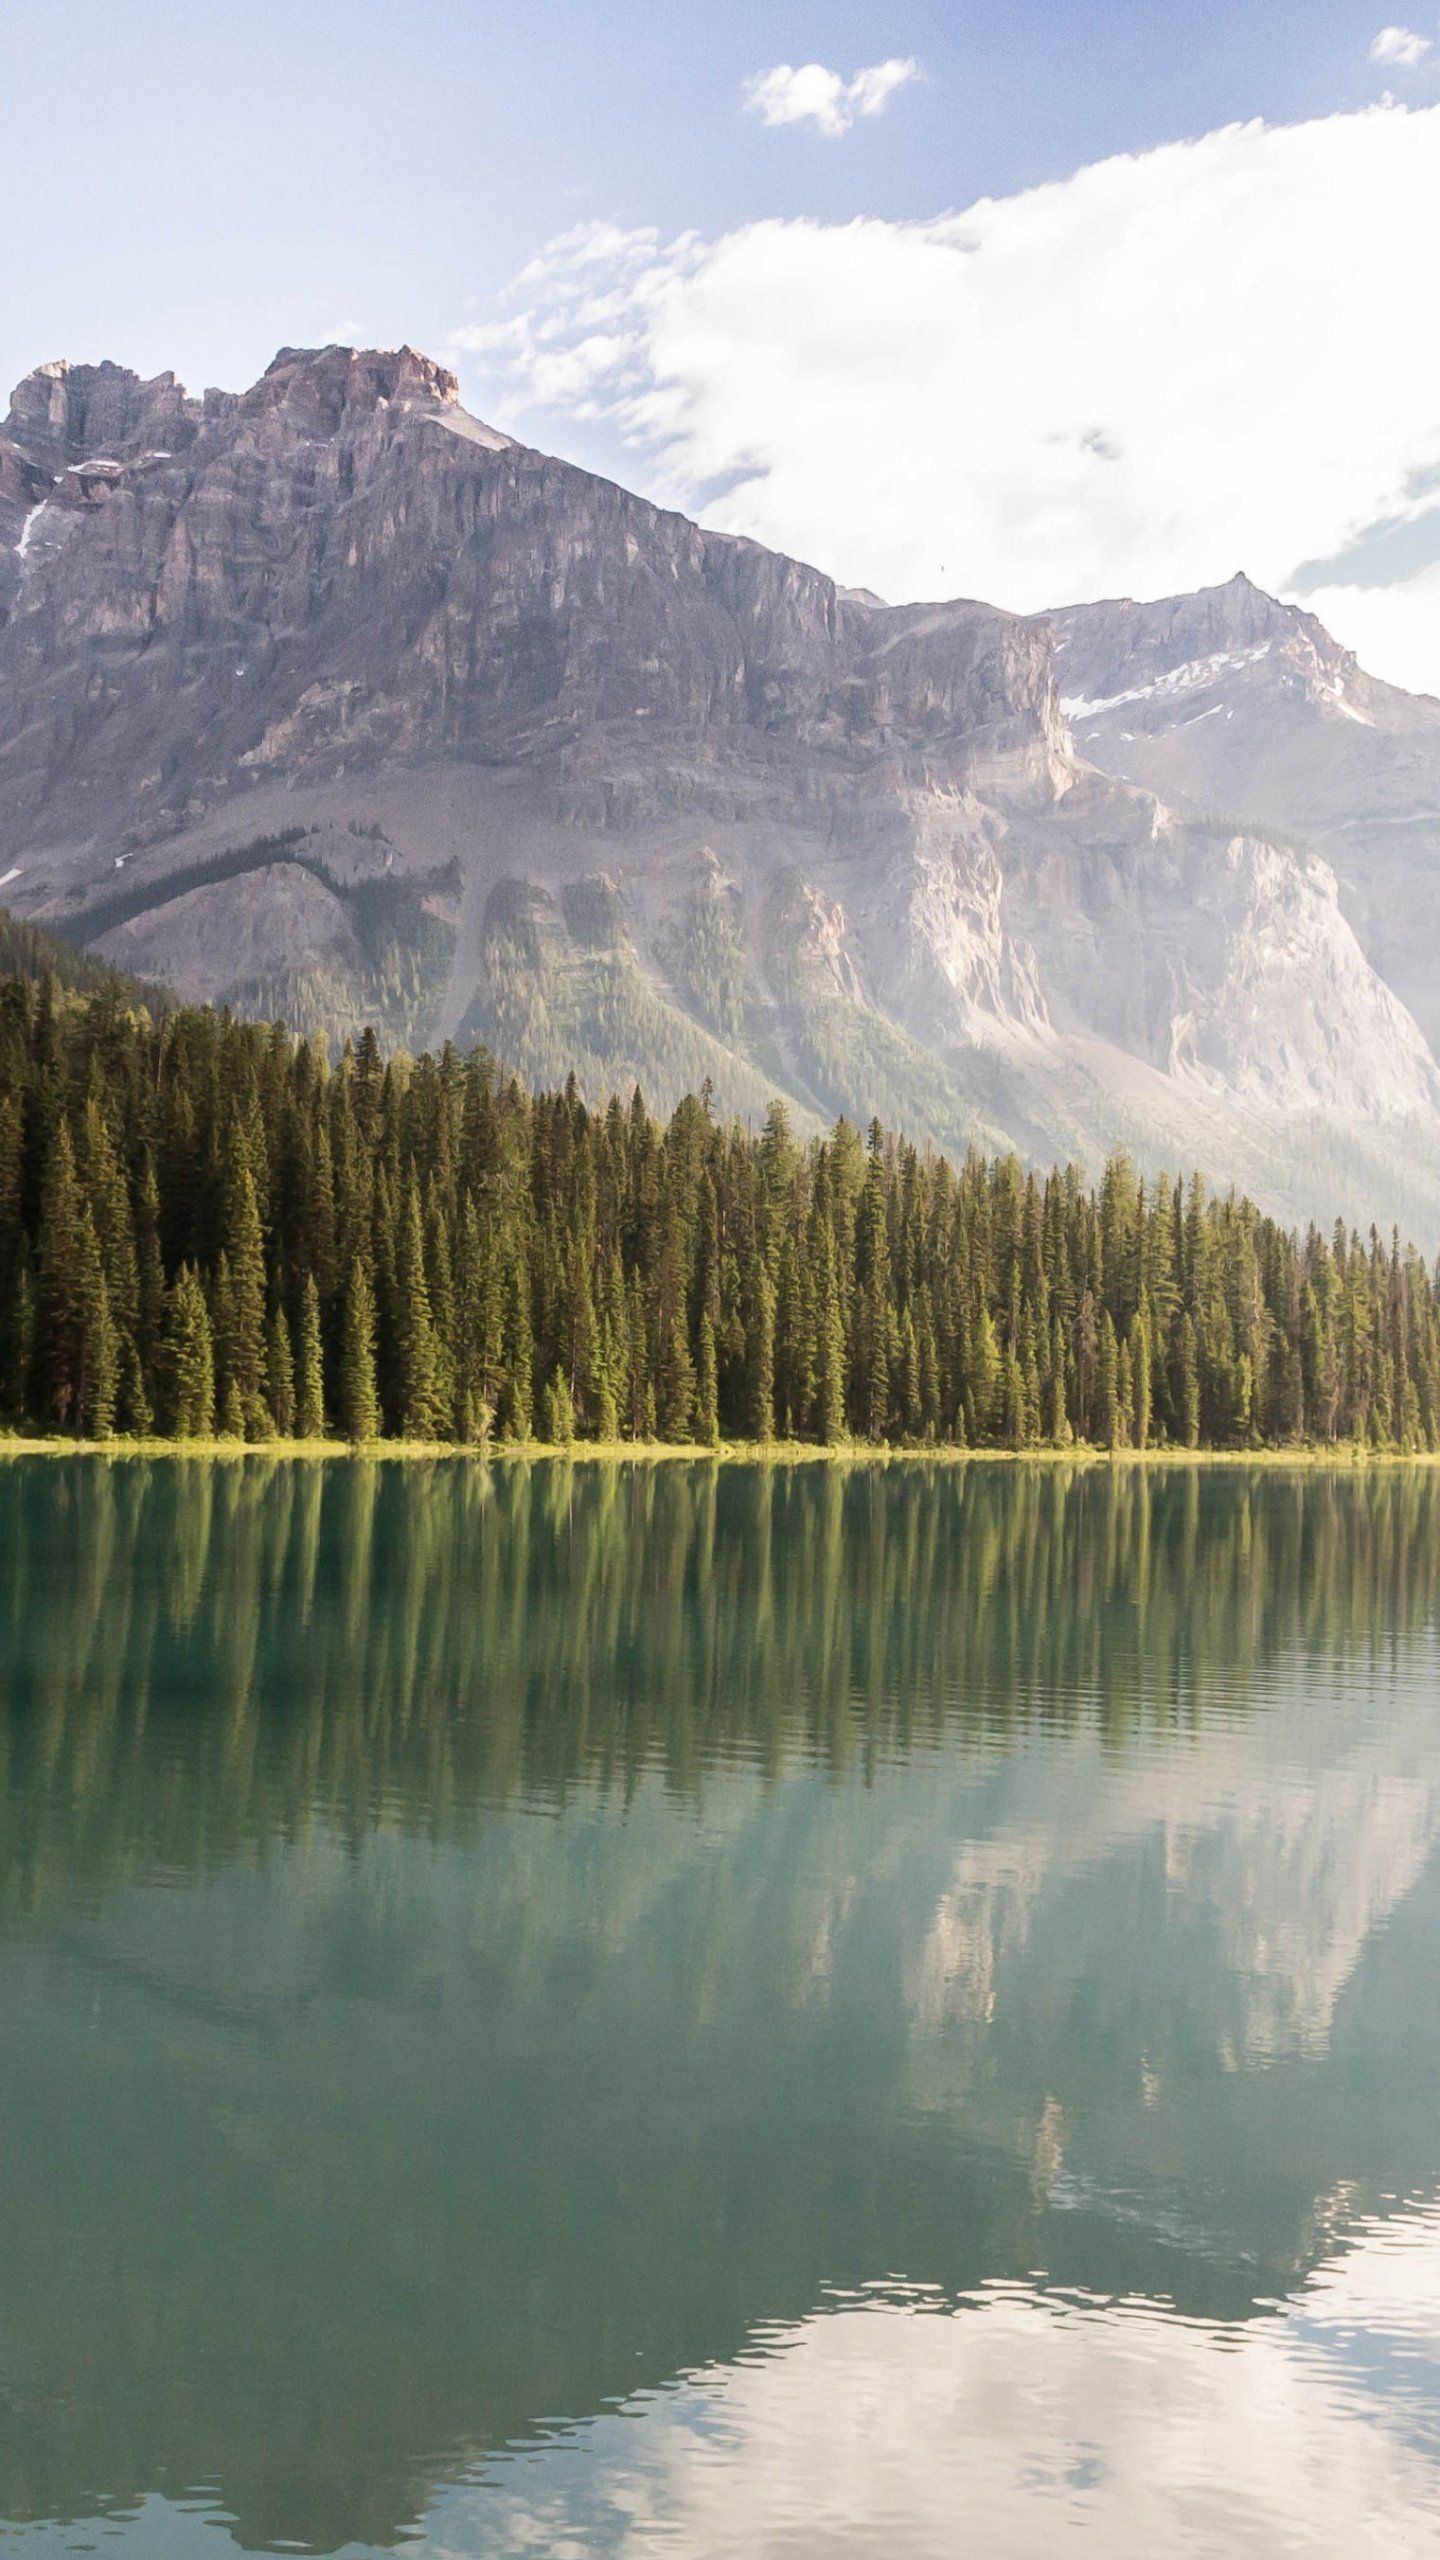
(809, 94)
(1171, 365)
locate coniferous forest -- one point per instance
(206, 1227)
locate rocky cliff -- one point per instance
(1230, 700)
(328, 697)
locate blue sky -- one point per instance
(194, 184)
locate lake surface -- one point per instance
(718, 2011)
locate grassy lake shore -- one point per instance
(853, 1453)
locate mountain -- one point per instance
(327, 698)
(1230, 700)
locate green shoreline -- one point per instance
(1342, 1456)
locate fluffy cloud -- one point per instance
(1134, 380)
(1395, 631)
(1399, 48)
(809, 94)
(1016, 2421)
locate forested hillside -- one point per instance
(203, 1226)
(27, 951)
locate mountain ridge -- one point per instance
(562, 770)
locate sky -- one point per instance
(1025, 301)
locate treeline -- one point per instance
(205, 1227)
(27, 951)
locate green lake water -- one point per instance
(696, 2011)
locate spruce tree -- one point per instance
(557, 1411)
(420, 1416)
(310, 1367)
(357, 1397)
(830, 1347)
(188, 1360)
(280, 1374)
(135, 1415)
(517, 1408)
(59, 1321)
(707, 1388)
(1107, 1392)
(1140, 1378)
(244, 1249)
(13, 1240)
(761, 1385)
(98, 1382)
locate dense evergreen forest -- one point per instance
(204, 1227)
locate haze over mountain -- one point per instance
(1229, 700)
(327, 698)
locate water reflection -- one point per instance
(476, 1948)
(1014, 2421)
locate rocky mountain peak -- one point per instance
(63, 413)
(325, 385)
(1112, 650)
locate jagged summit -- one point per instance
(65, 413)
(68, 412)
(330, 381)
(325, 697)
(1101, 647)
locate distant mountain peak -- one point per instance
(323, 697)
(334, 379)
(65, 413)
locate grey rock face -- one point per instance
(330, 697)
(64, 413)
(1230, 700)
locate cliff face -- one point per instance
(1230, 700)
(326, 696)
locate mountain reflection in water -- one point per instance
(724, 2010)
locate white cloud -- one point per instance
(1399, 48)
(1395, 631)
(809, 94)
(1134, 380)
(1020, 2421)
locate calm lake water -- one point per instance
(698, 2012)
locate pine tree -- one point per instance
(761, 1396)
(1140, 1376)
(557, 1411)
(280, 1374)
(310, 1367)
(1187, 1394)
(517, 1409)
(98, 1382)
(1108, 1418)
(707, 1391)
(244, 1251)
(602, 1399)
(357, 1399)
(830, 1347)
(188, 1360)
(135, 1415)
(675, 1386)
(14, 1252)
(59, 1316)
(420, 1415)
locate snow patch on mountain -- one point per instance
(1195, 674)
